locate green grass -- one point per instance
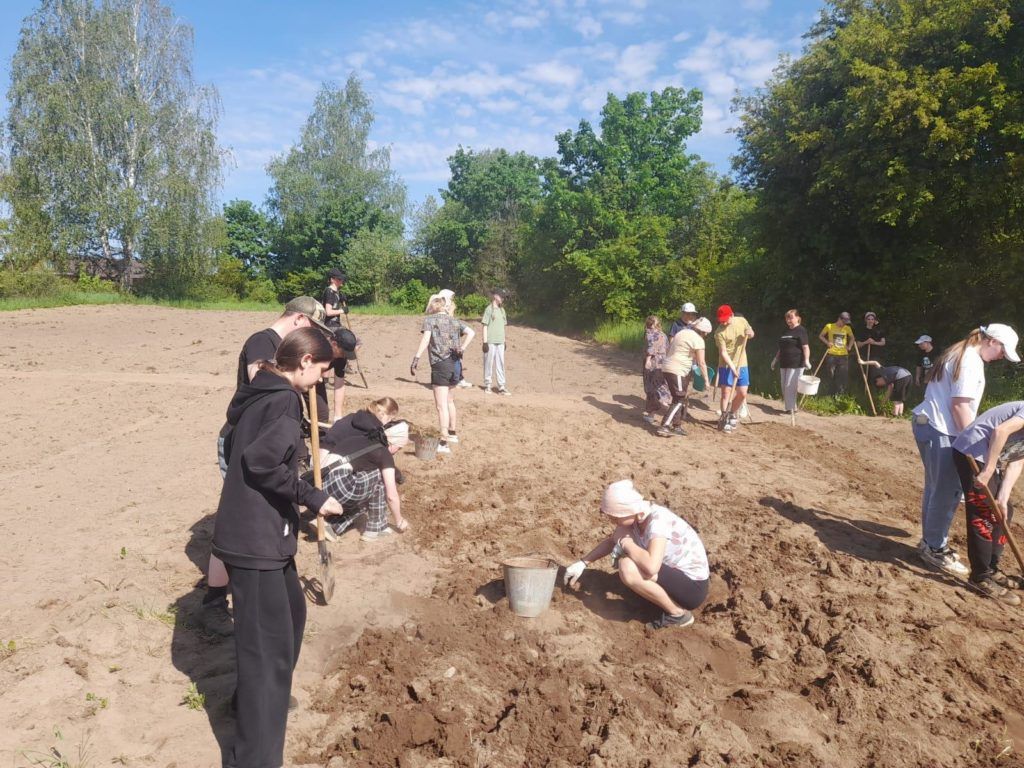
(63, 299)
(382, 309)
(625, 334)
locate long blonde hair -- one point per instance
(974, 339)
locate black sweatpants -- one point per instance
(677, 387)
(985, 537)
(270, 616)
(837, 368)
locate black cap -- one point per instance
(345, 339)
(337, 274)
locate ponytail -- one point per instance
(974, 339)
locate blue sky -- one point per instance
(494, 74)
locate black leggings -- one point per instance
(677, 387)
(985, 537)
(270, 616)
(683, 590)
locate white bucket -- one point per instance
(529, 584)
(808, 385)
(425, 447)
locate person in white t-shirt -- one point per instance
(685, 354)
(659, 555)
(953, 393)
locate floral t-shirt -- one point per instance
(684, 550)
(657, 346)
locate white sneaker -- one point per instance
(945, 560)
(504, 392)
(464, 384)
(453, 439)
(443, 449)
(487, 390)
(374, 535)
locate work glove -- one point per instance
(573, 572)
(412, 366)
(773, 365)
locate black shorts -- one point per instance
(683, 590)
(444, 373)
(899, 389)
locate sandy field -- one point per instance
(825, 642)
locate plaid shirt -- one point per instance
(359, 493)
(445, 332)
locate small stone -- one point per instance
(419, 690)
(358, 683)
(770, 599)
(508, 635)
(450, 672)
(337, 762)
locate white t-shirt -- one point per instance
(684, 550)
(938, 395)
(682, 352)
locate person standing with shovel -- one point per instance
(951, 398)
(731, 337)
(838, 337)
(255, 535)
(988, 457)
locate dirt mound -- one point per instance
(824, 642)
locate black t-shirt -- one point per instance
(323, 408)
(349, 435)
(332, 298)
(791, 347)
(928, 360)
(262, 345)
(891, 373)
(875, 334)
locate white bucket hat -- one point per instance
(1006, 336)
(702, 324)
(621, 499)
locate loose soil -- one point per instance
(825, 641)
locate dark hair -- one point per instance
(296, 345)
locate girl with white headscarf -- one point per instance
(659, 555)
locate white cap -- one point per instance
(688, 307)
(923, 338)
(1006, 336)
(702, 324)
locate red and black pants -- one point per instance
(985, 536)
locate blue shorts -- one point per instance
(725, 377)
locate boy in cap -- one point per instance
(872, 337)
(730, 337)
(924, 366)
(687, 317)
(838, 336)
(335, 302)
(343, 343)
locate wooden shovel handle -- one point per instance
(314, 439)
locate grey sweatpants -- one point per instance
(790, 377)
(494, 361)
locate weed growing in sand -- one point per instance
(169, 617)
(114, 668)
(98, 702)
(8, 650)
(54, 758)
(124, 553)
(839, 405)
(193, 699)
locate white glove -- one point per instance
(574, 571)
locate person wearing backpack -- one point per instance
(255, 536)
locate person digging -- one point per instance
(659, 555)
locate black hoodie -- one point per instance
(257, 519)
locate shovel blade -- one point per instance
(326, 571)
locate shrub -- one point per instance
(261, 290)
(305, 282)
(472, 304)
(413, 295)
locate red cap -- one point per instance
(724, 313)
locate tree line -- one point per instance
(881, 169)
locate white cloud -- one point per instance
(408, 105)
(682, 37)
(638, 61)
(589, 27)
(504, 20)
(625, 18)
(500, 106)
(554, 73)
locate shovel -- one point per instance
(1000, 517)
(359, 368)
(732, 390)
(326, 561)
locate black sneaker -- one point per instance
(341, 525)
(684, 619)
(989, 587)
(216, 618)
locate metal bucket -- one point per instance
(529, 584)
(808, 385)
(426, 447)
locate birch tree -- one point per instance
(110, 140)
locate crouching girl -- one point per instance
(255, 535)
(660, 557)
(364, 478)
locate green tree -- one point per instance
(112, 144)
(250, 235)
(331, 186)
(889, 163)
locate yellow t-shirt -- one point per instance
(682, 352)
(839, 337)
(731, 336)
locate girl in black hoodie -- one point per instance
(255, 535)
